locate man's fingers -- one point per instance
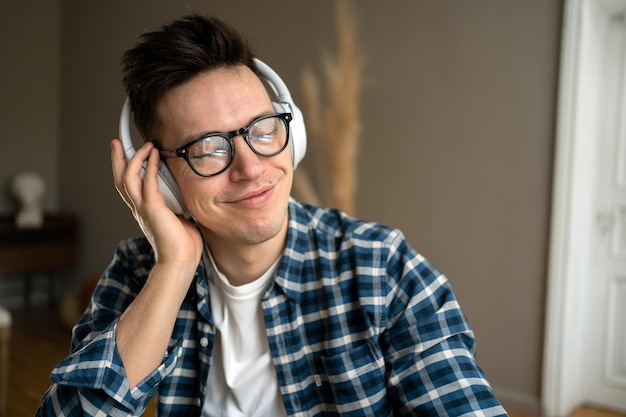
(151, 182)
(118, 162)
(127, 175)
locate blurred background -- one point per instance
(457, 120)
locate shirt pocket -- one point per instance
(357, 380)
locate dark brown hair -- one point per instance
(175, 54)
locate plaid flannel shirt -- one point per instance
(358, 323)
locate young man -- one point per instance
(257, 305)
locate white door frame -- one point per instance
(573, 211)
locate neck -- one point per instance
(244, 263)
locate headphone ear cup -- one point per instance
(285, 104)
(170, 190)
(167, 184)
(297, 131)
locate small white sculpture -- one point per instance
(29, 188)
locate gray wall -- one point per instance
(458, 118)
(30, 39)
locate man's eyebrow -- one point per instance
(191, 138)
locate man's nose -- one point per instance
(246, 164)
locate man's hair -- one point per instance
(169, 57)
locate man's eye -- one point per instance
(265, 137)
(218, 153)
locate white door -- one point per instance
(585, 339)
(606, 314)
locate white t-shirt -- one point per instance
(242, 378)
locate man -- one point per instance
(253, 304)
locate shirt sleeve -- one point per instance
(430, 345)
(92, 379)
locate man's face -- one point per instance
(247, 203)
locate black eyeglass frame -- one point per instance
(183, 151)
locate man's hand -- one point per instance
(173, 238)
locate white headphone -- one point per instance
(297, 136)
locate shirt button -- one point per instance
(204, 342)
(180, 352)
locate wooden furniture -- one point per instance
(5, 336)
(25, 252)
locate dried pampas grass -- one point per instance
(333, 124)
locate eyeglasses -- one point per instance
(212, 154)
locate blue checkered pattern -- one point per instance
(359, 324)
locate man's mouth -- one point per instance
(254, 197)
